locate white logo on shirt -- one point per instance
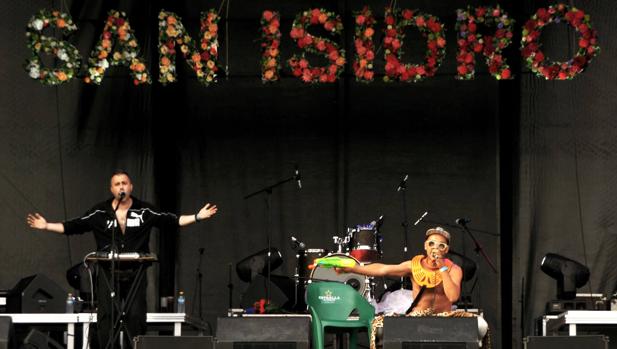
(139, 216)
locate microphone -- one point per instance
(297, 244)
(421, 218)
(462, 221)
(403, 184)
(377, 224)
(122, 195)
(436, 256)
(297, 177)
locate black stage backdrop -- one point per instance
(528, 161)
(565, 197)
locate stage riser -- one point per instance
(430, 333)
(266, 332)
(566, 342)
(171, 342)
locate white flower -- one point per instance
(62, 55)
(34, 72)
(103, 63)
(37, 24)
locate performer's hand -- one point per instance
(207, 211)
(339, 270)
(437, 261)
(36, 221)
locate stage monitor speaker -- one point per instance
(36, 294)
(430, 333)
(566, 342)
(7, 335)
(175, 342)
(39, 340)
(268, 331)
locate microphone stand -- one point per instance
(230, 286)
(402, 188)
(114, 280)
(268, 192)
(444, 224)
(478, 247)
(198, 284)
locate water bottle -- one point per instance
(70, 303)
(180, 307)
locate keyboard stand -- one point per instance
(121, 306)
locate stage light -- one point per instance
(256, 264)
(569, 274)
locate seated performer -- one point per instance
(436, 280)
(132, 222)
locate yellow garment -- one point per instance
(423, 277)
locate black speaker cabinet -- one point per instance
(39, 340)
(430, 333)
(253, 332)
(180, 342)
(36, 294)
(7, 336)
(566, 342)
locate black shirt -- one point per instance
(140, 219)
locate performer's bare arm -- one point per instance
(452, 283)
(379, 269)
(37, 221)
(206, 212)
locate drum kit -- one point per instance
(362, 245)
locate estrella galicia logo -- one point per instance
(328, 297)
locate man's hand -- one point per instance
(36, 221)
(207, 211)
(437, 261)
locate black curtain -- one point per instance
(526, 160)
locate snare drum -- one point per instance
(356, 281)
(364, 244)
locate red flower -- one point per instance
(584, 43)
(433, 25)
(420, 21)
(267, 15)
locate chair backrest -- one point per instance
(336, 301)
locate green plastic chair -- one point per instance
(330, 304)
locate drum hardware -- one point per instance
(342, 241)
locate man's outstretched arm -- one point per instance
(36, 221)
(206, 212)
